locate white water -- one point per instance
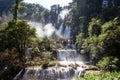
(17, 76)
(56, 73)
(65, 57)
(43, 30)
(59, 32)
(49, 29)
(65, 33)
(64, 13)
(68, 58)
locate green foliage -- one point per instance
(110, 25)
(101, 76)
(79, 40)
(111, 43)
(82, 13)
(3, 26)
(18, 35)
(47, 55)
(85, 46)
(46, 44)
(23, 10)
(16, 7)
(102, 44)
(94, 47)
(46, 59)
(52, 63)
(35, 50)
(94, 27)
(34, 12)
(106, 44)
(108, 63)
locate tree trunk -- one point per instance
(16, 9)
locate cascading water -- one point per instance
(67, 32)
(65, 57)
(69, 64)
(28, 52)
(69, 57)
(59, 31)
(63, 30)
(58, 19)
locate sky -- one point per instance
(48, 3)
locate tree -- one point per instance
(82, 13)
(46, 44)
(111, 11)
(17, 35)
(79, 41)
(111, 43)
(94, 28)
(110, 25)
(17, 6)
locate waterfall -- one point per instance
(59, 31)
(69, 61)
(28, 52)
(52, 74)
(63, 30)
(58, 19)
(65, 57)
(17, 76)
(67, 32)
(69, 57)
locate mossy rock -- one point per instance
(45, 66)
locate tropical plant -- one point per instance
(109, 63)
(94, 28)
(17, 35)
(101, 76)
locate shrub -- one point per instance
(101, 76)
(108, 63)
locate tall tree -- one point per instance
(17, 6)
(82, 13)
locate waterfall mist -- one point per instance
(41, 29)
(64, 13)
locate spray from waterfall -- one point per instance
(43, 30)
(49, 29)
(64, 13)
